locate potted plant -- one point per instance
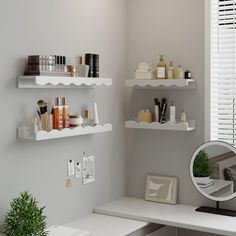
(201, 167)
(25, 218)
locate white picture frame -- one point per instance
(161, 189)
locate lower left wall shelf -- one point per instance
(25, 133)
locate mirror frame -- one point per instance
(220, 143)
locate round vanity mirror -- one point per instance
(213, 170)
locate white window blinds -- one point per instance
(223, 81)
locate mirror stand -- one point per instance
(217, 210)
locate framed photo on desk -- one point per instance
(161, 189)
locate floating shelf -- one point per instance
(25, 133)
(161, 83)
(61, 82)
(181, 126)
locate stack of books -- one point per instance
(205, 183)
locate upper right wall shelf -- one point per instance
(161, 83)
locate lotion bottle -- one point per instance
(171, 71)
(157, 110)
(172, 113)
(179, 73)
(161, 69)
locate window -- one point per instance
(223, 71)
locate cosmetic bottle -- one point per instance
(96, 120)
(157, 110)
(179, 73)
(60, 108)
(183, 116)
(187, 74)
(86, 118)
(51, 120)
(66, 116)
(171, 71)
(57, 115)
(172, 113)
(82, 69)
(90, 63)
(161, 69)
(96, 65)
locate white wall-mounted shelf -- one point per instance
(25, 133)
(161, 83)
(181, 126)
(61, 82)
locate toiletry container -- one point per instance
(66, 116)
(145, 116)
(172, 113)
(161, 69)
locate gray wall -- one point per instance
(67, 27)
(176, 30)
(72, 27)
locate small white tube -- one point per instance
(172, 114)
(96, 120)
(157, 113)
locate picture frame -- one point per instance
(161, 189)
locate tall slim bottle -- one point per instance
(56, 114)
(66, 116)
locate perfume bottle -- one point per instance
(66, 116)
(171, 71)
(57, 115)
(161, 69)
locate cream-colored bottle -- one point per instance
(161, 69)
(183, 116)
(171, 71)
(179, 73)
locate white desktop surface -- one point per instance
(219, 185)
(103, 225)
(181, 216)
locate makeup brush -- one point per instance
(44, 115)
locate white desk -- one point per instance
(173, 215)
(102, 225)
(220, 188)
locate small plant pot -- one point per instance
(202, 180)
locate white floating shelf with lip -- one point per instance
(61, 82)
(25, 133)
(161, 83)
(181, 126)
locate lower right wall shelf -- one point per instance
(190, 125)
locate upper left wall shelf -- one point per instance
(61, 82)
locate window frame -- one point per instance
(207, 71)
